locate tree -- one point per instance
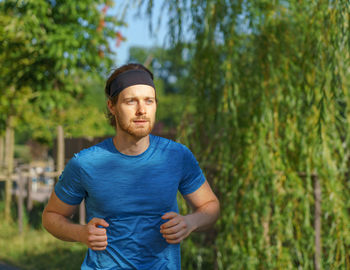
(271, 125)
(50, 49)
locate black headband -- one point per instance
(129, 78)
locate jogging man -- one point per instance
(129, 183)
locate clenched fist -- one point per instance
(177, 228)
(94, 236)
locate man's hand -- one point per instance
(93, 236)
(177, 228)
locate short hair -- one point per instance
(115, 73)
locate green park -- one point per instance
(259, 91)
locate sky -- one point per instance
(137, 31)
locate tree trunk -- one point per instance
(60, 149)
(148, 60)
(9, 151)
(317, 224)
(1, 152)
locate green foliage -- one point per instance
(270, 81)
(83, 118)
(51, 51)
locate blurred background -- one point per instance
(258, 90)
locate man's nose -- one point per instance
(141, 109)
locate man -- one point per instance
(129, 184)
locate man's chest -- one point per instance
(132, 190)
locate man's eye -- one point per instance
(130, 102)
(149, 101)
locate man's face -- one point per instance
(135, 110)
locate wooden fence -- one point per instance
(23, 189)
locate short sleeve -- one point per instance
(69, 188)
(192, 175)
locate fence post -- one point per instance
(20, 199)
(29, 192)
(60, 149)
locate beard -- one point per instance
(134, 130)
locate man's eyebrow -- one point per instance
(133, 97)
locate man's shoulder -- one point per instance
(168, 144)
(94, 151)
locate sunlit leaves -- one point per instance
(271, 83)
(54, 49)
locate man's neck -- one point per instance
(130, 145)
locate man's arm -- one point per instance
(56, 220)
(206, 210)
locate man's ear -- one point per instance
(111, 107)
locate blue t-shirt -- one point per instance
(131, 193)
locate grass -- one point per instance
(37, 249)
